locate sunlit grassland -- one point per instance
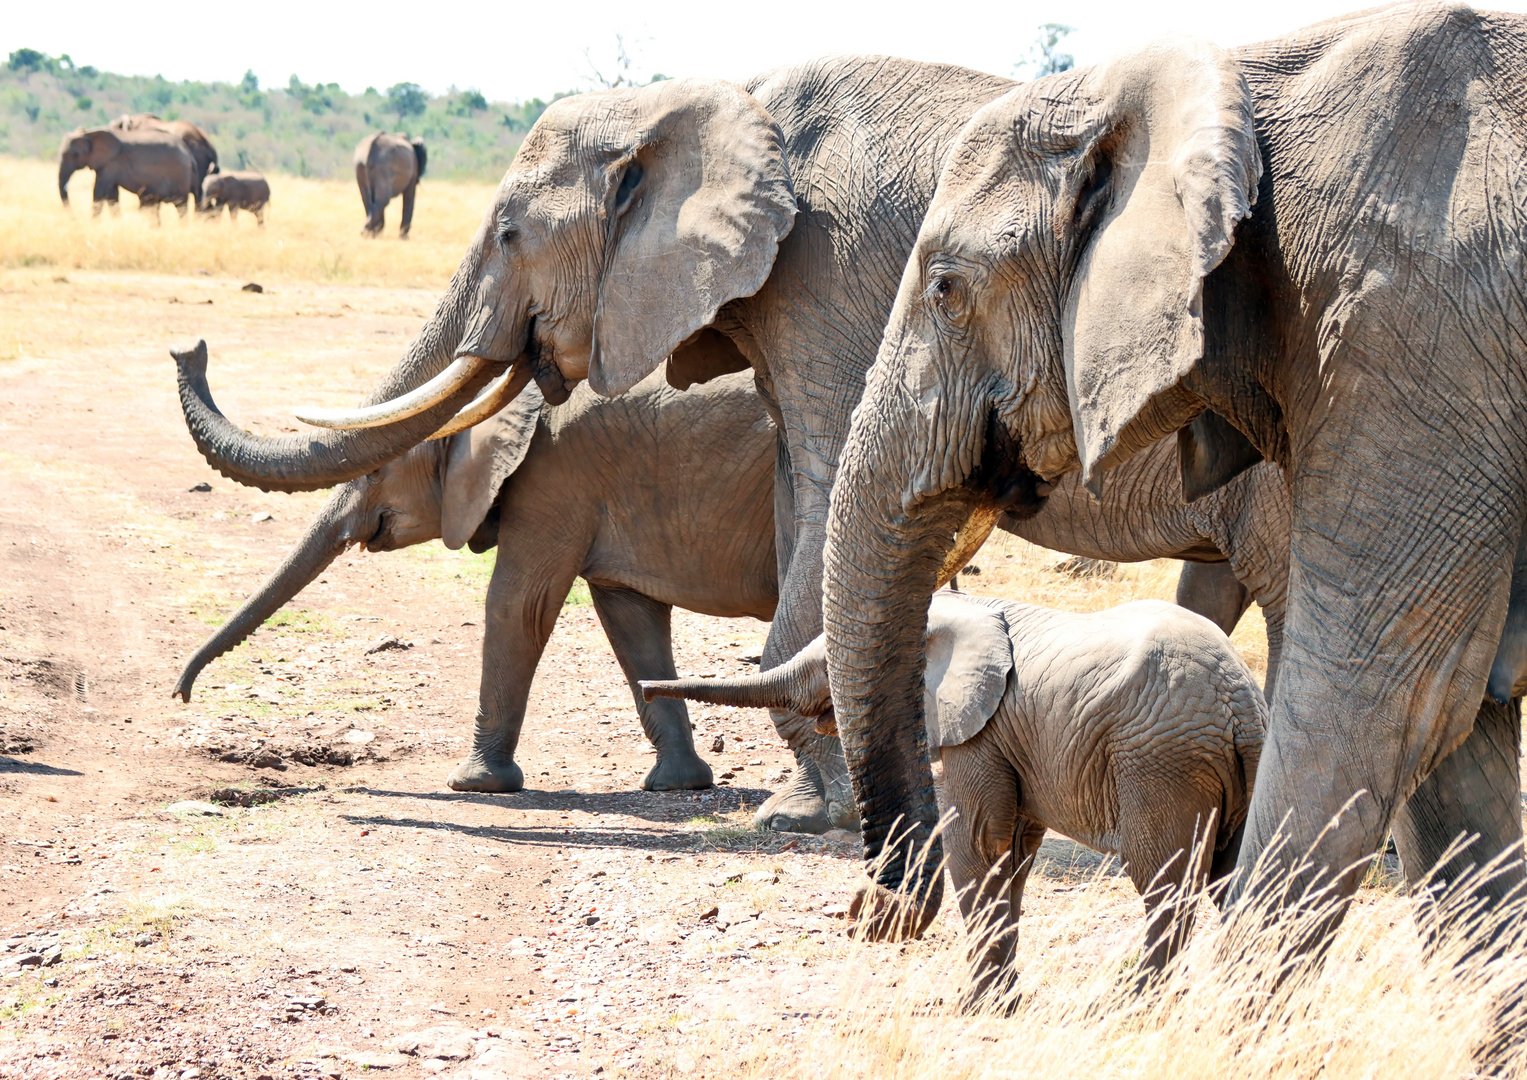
(312, 232)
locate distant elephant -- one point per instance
(237, 191)
(197, 144)
(154, 165)
(1308, 250)
(387, 165)
(1135, 731)
(656, 498)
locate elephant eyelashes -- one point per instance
(630, 180)
(1092, 196)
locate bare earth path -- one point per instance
(364, 917)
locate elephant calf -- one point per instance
(1134, 730)
(237, 191)
(656, 498)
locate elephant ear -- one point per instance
(694, 212)
(970, 657)
(478, 462)
(103, 146)
(1164, 180)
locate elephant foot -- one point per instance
(878, 914)
(493, 777)
(678, 772)
(800, 807)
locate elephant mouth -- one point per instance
(1003, 478)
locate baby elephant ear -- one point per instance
(694, 211)
(1170, 169)
(480, 459)
(970, 657)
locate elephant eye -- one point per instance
(947, 292)
(507, 233)
(630, 180)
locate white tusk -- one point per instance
(498, 393)
(416, 401)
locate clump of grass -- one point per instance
(312, 232)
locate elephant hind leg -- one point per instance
(1167, 843)
(408, 209)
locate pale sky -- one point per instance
(517, 51)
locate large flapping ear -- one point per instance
(1171, 169)
(970, 657)
(480, 459)
(103, 146)
(694, 214)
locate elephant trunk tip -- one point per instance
(656, 688)
(192, 361)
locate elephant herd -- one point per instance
(1258, 309)
(173, 161)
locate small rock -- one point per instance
(710, 912)
(433, 1065)
(760, 877)
(143, 940)
(836, 911)
(371, 1060)
(347, 966)
(386, 642)
(718, 744)
(358, 736)
(733, 913)
(192, 806)
(53, 956)
(253, 286)
(190, 1074)
(203, 487)
(263, 515)
(28, 960)
(726, 876)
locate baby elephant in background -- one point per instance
(656, 498)
(1135, 731)
(386, 166)
(237, 191)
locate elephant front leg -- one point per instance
(408, 210)
(640, 632)
(518, 623)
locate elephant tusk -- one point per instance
(498, 393)
(417, 400)
(968, 541)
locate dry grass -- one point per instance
(312, 232)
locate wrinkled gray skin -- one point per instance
(656, 498)
(774, 218)
(154, 165)
(1350, 202)
(237, 191)
(202, 152)
(1134, 730)
(387, 166)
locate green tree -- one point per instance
(29, 60)
(1045, 57)
(407, 99)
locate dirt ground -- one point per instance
(362, 917)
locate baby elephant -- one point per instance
(1135, 731)
(237, 191)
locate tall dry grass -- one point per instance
(312, 232)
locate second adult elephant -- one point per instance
(387, 166)
(196, 142)
(153, 165)
(656, 498)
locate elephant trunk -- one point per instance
(65, 171)
(309, 461)
(343, 521)
(799, 684)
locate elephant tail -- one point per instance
(420, 157)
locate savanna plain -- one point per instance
(325, 906)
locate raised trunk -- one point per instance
(342, 521)
(308, 461)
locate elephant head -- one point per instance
(83, 149)
(626, 220)
(1045, 319)
(443, 489)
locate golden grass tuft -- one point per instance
(312, 232)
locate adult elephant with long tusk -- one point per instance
(726, 225)
(1310, 251)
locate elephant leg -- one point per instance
(233, 213)
(260, 216)
(1474, 792)
(640, 633)
(1167, 846)
(408, 209)
(182, 207)
(522, 609)
(1213, 591)
(363, 181)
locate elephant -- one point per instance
(1306, 251)
(655, 498)
(237, 191)
(197, 144)
(154, 165)
(730, 226)
(1135, 730)
(388, 165)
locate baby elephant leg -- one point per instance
(1167, 841)
(640, 633)
(991, 849)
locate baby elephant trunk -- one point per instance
(799, 684)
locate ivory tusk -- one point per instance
(416, 401)
(968, 541)
(498, 393)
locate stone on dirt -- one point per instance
(193, 806)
